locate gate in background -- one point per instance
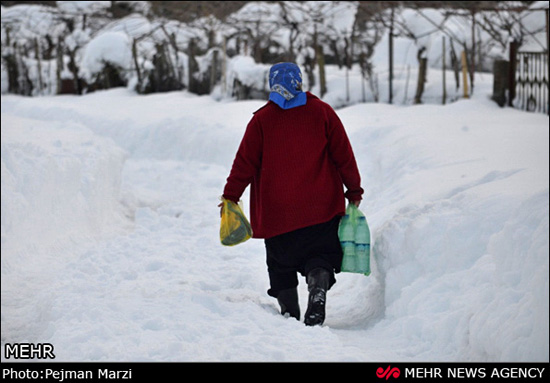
(531, 82)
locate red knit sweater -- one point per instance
(297, 162)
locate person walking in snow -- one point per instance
(297, 158)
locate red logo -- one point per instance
(388, 372)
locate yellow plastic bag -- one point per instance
(234, 228)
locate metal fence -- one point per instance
(531, 82)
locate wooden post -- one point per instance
(465, 74)
(500, 81)
(178, 68)
(322, 75)
(472, 66)
(455, 65)
(59, 66)
(39, 66)
(192, 67)
(406, 93)
(444, 101)
(136, 64)
(347, 84)
(422, 66)
(363, 93)
(73, 68)
(363, 74)
(391, 59)
(213, 70)
(512, 73)
(320, 57)
(347, 65)
(224, 66)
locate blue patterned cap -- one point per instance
(285, 82)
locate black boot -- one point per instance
(317, 283)
(288, 300)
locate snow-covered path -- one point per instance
(168, 291)
(160, 287)
(110, 246)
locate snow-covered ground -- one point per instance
(111, 252)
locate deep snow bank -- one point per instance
(60, 188)
(169, 126)
(458, 197)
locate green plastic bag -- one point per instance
(234, 227)
(354, 235)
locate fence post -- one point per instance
(391, 58)
(422, 67)
(500, 81)
(444, 100)
(512, 73)
(465, 74)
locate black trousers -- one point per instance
(301, 251)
